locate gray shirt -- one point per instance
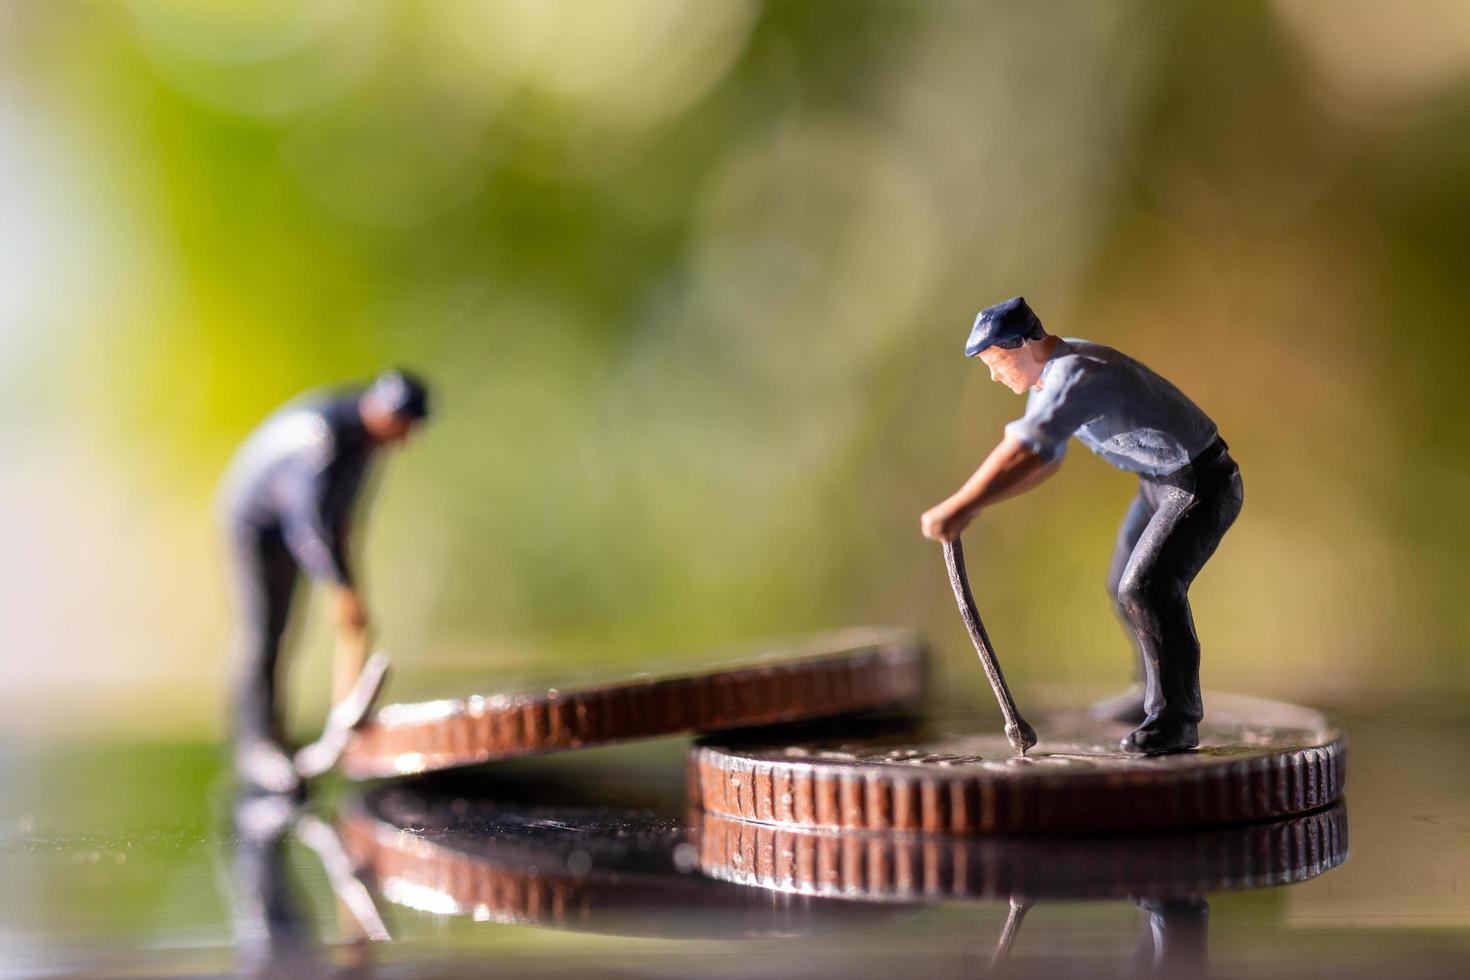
(302, 472)
(1118, 408)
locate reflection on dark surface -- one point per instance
(106, 880)
(615, 851)
(538, 849)
(588, 867)
(274, 937)
(271, 933)
(1172, 942)
(888, 867)
(1014, 917)
(1164, 874)
(1171, 939)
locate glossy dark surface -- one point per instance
(121, 859)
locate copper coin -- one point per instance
(894, 867)
(815, 677)
(623, 871)
(1257, 760)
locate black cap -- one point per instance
(1007, 324)
(402, 393)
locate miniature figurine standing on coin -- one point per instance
(1189, 495)
(288, 499)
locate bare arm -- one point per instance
(1009, 470)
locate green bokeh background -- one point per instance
(691, 281)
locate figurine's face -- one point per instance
(386, 428)
(396, 430)
(1018, 368)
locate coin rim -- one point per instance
(860, 670)
(1154, 794)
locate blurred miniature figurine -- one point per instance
(1189, 494)
(287, 501)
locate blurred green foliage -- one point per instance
(692, 281)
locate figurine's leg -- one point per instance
(1152, 593)
(272, 933)
(1128, 706)
(265, 581)
(1179, 539)
(1176, 940)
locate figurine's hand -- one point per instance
(941, 523)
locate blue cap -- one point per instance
(402, 393)
(1007, 324)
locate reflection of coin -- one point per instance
(820, 677)
(566, 866)
(1257, 760)
(892, 867)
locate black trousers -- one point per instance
(265, 575)
(1171, 530)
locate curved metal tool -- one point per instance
(1021, 735)
(351, 712)
(1014, 917)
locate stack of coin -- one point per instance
(821, 789)
(1257, 760)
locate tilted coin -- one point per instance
(814, 677)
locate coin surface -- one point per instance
(812, 677)
(1257, 760)
(897, 867)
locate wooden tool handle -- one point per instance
(351, 657)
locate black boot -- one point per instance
(1161, 736)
